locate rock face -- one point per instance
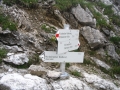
(94, 37)
(99, 83)
(19, 16)
(16, 81)
(9, 38)
(83, 17)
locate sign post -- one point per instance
(62, 65)
(68, 40)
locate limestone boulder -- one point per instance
(16, 58)
(38, 70)
(83, 17)
(94, 37)
(111, 52)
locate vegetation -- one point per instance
(5, 23)
(88, 62)
(115, 40)
(26, 3)
(67, 65)
(3, 53)
(115, 70)
(116, 19)
(76, 73)
(9, 2)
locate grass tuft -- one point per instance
(3, 53)
(76, 73)
(6, 23)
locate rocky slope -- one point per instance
(35, 33)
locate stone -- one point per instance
(99, 83)
(100, 63)
(9, 38)
(82, 16)
(17, 81)
(112, 34)
(59, 15)
(107, 2)
(71, 19)
(0, 29)
(38, 70)
(17, 59)
(106, 32)
(94, 37)
(53, 74)
(111, 52)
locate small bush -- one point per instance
(87, 61)
(6, 23)
(91, 52)
(66, 4)
(67, 65)
(30, 3)
(101, 22)
(76, 73)
(53, 39)
(115, 70)
(115, 40)
(3, 54)
(116, 19)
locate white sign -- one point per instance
(64, 35)
(51, 56)
(66, 46)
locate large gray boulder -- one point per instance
(111, 52)
(93, 36)
(100, 63)
(17, 59)
(83, 17)
(38, 70)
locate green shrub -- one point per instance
(115, 70)
(116, 19)
(30, 3)
(87, 61)
(66, 4)
(107, 8)
(115, 40)
(3, 54)
(67, 65)
(6, 23)
(76, 73)
(101, 22)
